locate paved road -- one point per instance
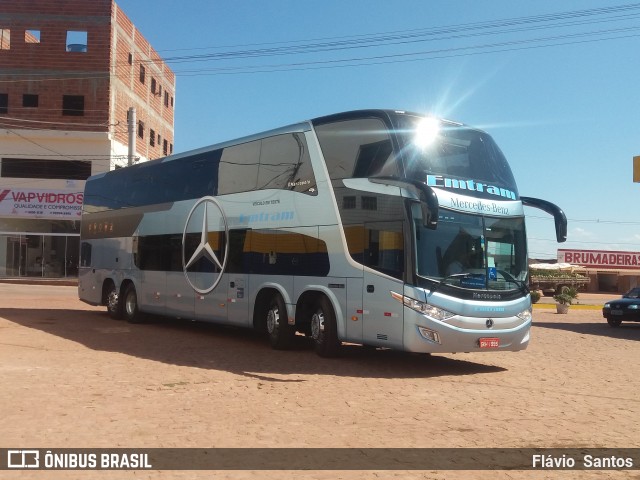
(72, 377)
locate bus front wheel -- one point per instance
(131, 311)
(324, 329)
(280, 332)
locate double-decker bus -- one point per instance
(378, 227)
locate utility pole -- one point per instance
(131, 122)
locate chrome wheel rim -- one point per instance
(131, 303)
(273, 317)
(317, 325)
(112, 300)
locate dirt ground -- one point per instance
(72, 377)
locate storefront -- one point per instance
(39, 232)
(609, 271)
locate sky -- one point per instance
(555, 83)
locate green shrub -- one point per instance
(535, 296)
(567, 296)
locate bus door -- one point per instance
(354, 316)
(151, 288)
(151, 294)
(180, 295)
(237, 278)
(237, 299)
(211, 305)
(384, 255)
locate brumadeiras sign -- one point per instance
(602, 259)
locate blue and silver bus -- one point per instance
(377, 227)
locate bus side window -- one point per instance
(236, 257)
(357, 148)
(285, 164)
(384, 247)
(238, 171)
(85, 254)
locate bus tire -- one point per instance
(324, 329)
(280, 333)
(113, 301)
(130, 305)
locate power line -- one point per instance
(585, 242)
(390, 59)
(71, 124)
(592, 220)
(403, 37)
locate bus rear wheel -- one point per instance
(114, 305)
(130, 304)
(280, 333)
(324, 329)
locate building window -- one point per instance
(73, 105)
(349, 202)
(369, 203)
(4, 103)
(166, 99)
(140, 129)
(29, 100)
(170, 148)
(37, 168)
(130, 60)
(32, 36)
(77, 41)
(142, 73)
(152, 137)
(159, 140)
(5, 38)
(164, 147)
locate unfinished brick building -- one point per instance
(69, 72)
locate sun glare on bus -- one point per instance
(426, 132)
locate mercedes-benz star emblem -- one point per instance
(489, 322)
(210, 209)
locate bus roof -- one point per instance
(299, 127)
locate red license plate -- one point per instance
(489, 342)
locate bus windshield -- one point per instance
(472, 251)
(432, 147)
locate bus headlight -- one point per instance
(525, 315)
(423, 308)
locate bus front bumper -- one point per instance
(464, 334)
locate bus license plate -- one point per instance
(489, 342)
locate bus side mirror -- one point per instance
(428, 205)
(428, 198)
(552, 209)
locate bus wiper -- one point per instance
(508, 278)
(453, 276)
(481, 281)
